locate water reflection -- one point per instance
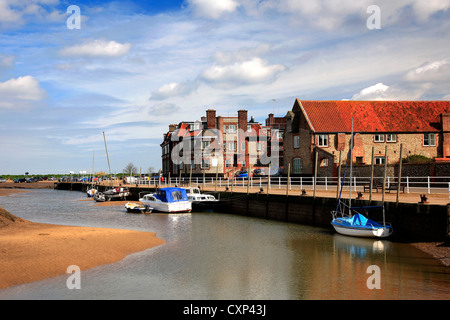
(221, 256)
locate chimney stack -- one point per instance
(210, 119)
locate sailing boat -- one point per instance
(349, 220)
(92, 190)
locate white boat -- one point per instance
(91, 192)
(170, 200)
(137, 208)
(358, 225)
(350, 221)
(201, 201)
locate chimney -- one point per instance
(210, 119)
(172, 127)
(445, 122)
(270, 120)
(242, 120)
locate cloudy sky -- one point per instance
(130, 68)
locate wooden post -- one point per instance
(190, 174)
(371, 174)
(315, 175)
(287, 182)
(217, 176)
(248, 179)
(384, 178)
(338, 183)
(399, 179)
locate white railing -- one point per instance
(408, 184)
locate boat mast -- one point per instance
(351, 171)
(107, 157)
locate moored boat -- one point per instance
(117, 193)
(201, 201)
(348, 220)
(137, 208)
(170, 200)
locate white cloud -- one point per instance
(431, 71)
(213, 9)
(430, 81)
(97, 48)
(172, 89)
(16, 93)
(250, 71)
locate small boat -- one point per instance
(91, 192)
(359, 226)
(201, 201)
(170, 200)
(137, 208)
(117, 193)
(348, 220)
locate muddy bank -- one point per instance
(35, 251)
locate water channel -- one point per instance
(224, 256)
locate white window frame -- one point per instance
(232, 146)
(378, 137)
(391, 137)
(205, 144)
(323, 140)
(205, 161)
(231, 128)
(380, 159)
(430, 138)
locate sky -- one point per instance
(128, 69)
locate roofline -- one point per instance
(306, 115)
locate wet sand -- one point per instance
(35, 251)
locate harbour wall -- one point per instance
(411, 221)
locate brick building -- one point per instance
(422, 127)
(222, 145)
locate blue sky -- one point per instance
(134, 67)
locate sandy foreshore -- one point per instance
(35, 251)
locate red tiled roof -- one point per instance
(375, 116)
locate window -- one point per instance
(249, 128)
(232, 146)
(323, 140)
(378, 138)
(228, 163)
(243, 146)
(297, 165)
(205, 163)
(391, 137)
(259, 146)
(429, 139)
(231, 128)
(296, 142)
(324, 162)
(194, 126)
(380, 160)
(205, 144)
(359, 160)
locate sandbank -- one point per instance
(34, 251)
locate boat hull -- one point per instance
(173, 207)
(379, 232)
